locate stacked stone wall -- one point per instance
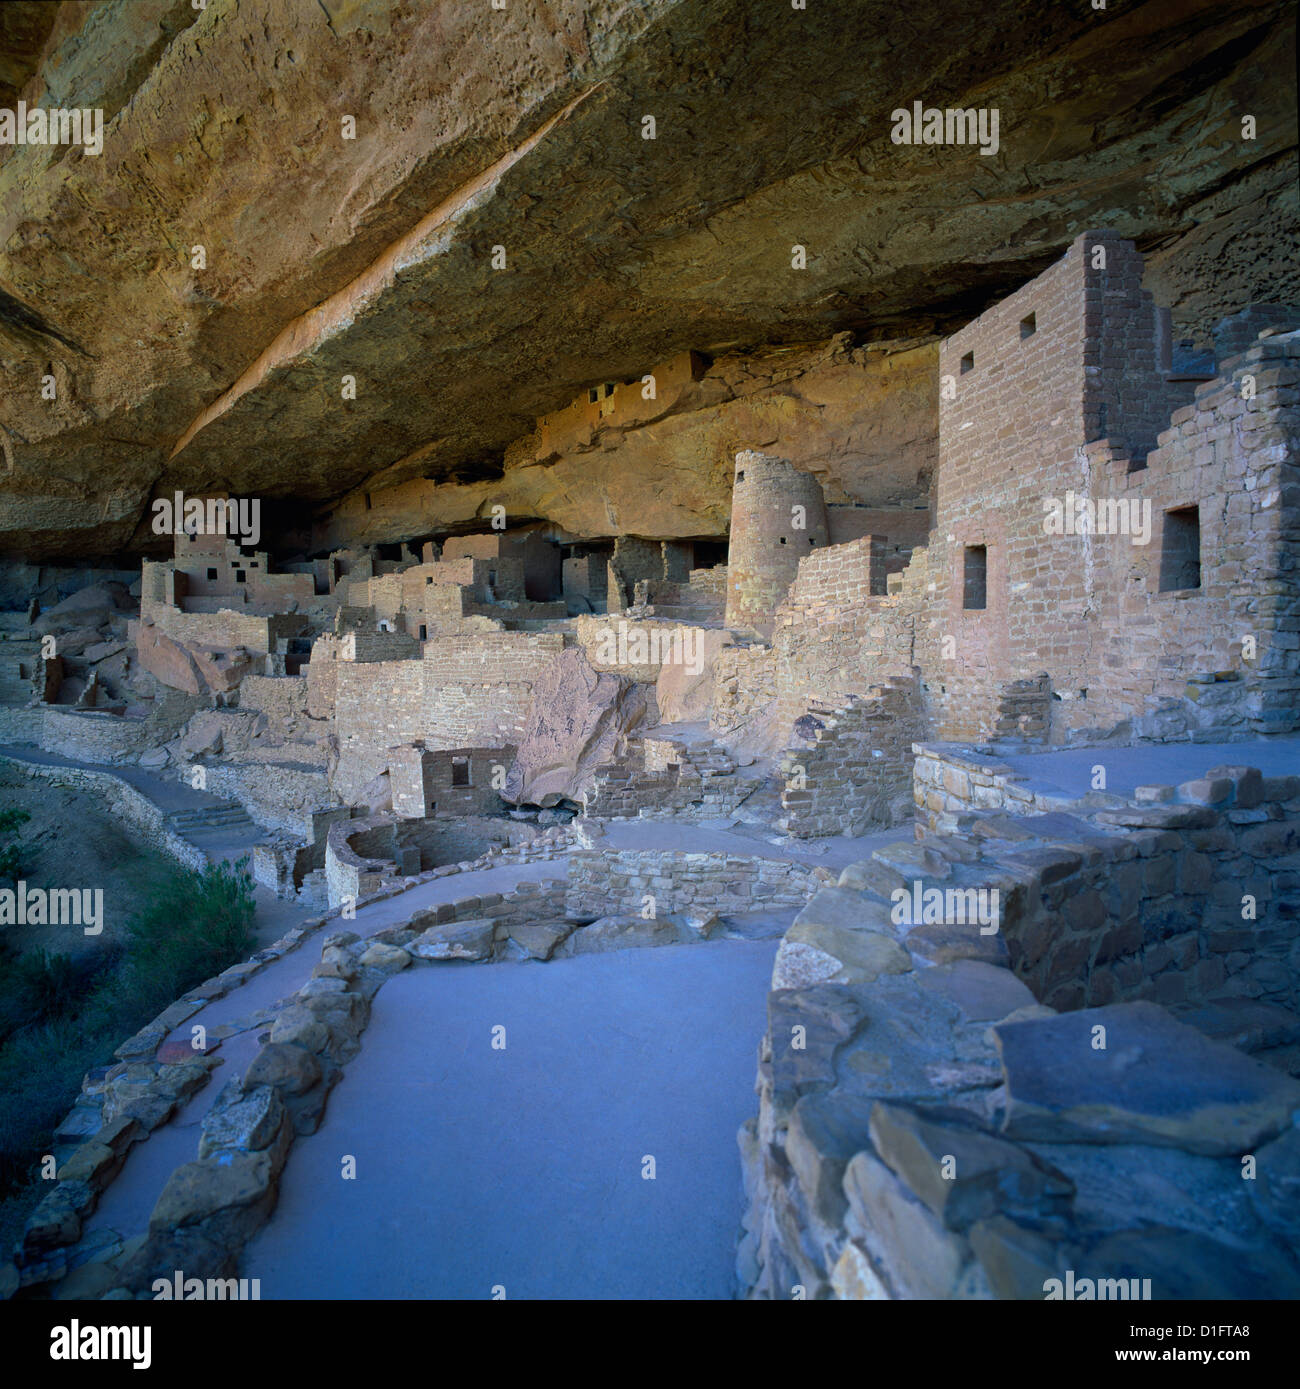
(604, 882)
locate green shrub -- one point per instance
(10, 854)
(192, 926)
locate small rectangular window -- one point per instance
(740, 476)
(424, 632)
(212, 573)
(968, 363)
(460, 771)
(240, 576)
(1028, 327)
(1180, 551)
(975, 577)
(593, 395)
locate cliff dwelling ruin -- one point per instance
(500, 534)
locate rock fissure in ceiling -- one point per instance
(307, 332)
(773, 129)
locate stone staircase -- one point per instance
(224, 822)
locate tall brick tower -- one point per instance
(778, 515)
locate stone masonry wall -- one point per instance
(603, 882)
(1235, 453)
(930, 1127)
(469, 691)
(778, 516)
(744, 687)
(1057, 394)
(858, 773)
(833, 639)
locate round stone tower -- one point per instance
(778, 516)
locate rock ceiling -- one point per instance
(522, 129)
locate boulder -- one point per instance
(204, 736)
(684, 693)
(1276, 1188)
(982, 991)
(392, 959)
(298, 1026)
(246, 1121)
(539, 939)
(940, 945)
(191, 668)
(860, 955)
(924, 1260)
(288, 1068)
(628, 931)
(227, 1196)
(576, 723)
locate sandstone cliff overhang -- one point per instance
(373, 258)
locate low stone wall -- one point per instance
(359, 857)
(1193, 893)
(526, 904)
(96, 737)
(930, 1126)
(603, 882)
(142, 820)
(950, 779)
(349, 874)
(21, 725)
(934, 1134)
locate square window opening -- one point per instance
(212, 573)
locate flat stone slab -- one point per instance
(1155, 1080)
(984, 992)
(941, 945)
(457, 940)
(912, 1043)
(862, 954)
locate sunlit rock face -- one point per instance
(499, 237)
